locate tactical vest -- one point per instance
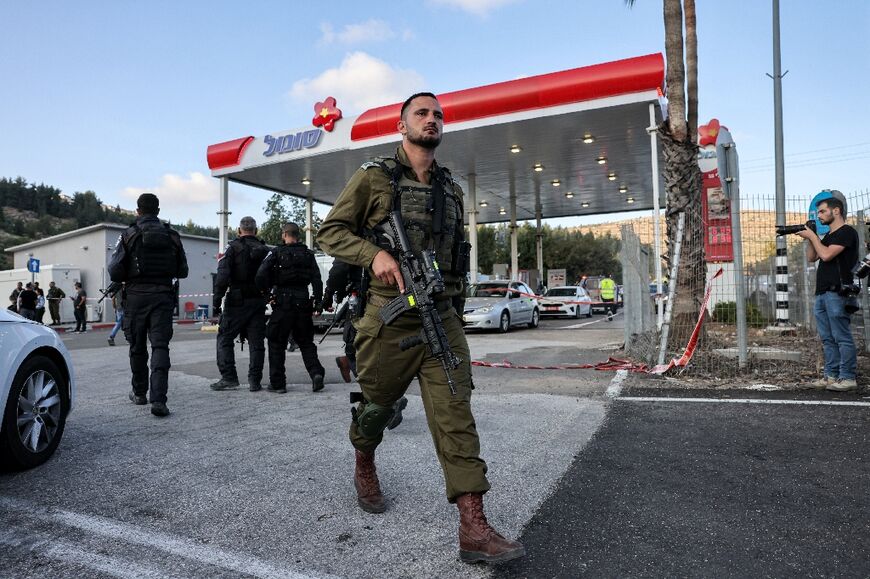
(293, 264)
(248, 254)
(153, 254)
(423, 212)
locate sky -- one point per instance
(120, 97)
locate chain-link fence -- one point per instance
(771, 291)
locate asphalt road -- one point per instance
(596, 475)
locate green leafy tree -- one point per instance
(281, 209)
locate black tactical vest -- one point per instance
(294, 265)
(153, 254)
(432, 214)
(248, 254)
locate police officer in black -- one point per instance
(245, 311)
(147, 257)
(344, 280)
(287, 272)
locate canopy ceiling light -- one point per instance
(601, 160)
(588, 139)
(611, 176)
(538, 167)
(484, 204)
(306, 181)
(516, 149)
(569, 195)
(630, 200)
(501, 211)
(584, 204)
(623, 189)
(556, 182)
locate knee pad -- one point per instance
(372, 419)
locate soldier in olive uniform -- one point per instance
(431, 206)
(245, 311)
(287, 272)
(148, 257)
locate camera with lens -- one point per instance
(862, 268)
(787, 229)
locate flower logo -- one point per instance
(708, 133)
(325, 114)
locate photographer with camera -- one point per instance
(836, 253)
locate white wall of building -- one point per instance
(88, 251)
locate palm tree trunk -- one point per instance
(681, 173)
(691, 69)
(676, 73)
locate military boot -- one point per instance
(368, 488)
(478, 541)
(225, 384)
(398, 406)
(317, 383)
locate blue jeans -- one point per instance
(834, 326)
(119, 317)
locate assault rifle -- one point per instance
(339, 316)
(110, 291)
(423, 281)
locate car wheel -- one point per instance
(35, 414)
(536, 318)
(504, 323)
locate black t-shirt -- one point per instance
(28, 299)
(832, 274)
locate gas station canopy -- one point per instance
(572, 143)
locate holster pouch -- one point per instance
(463, 258)
(235, 297)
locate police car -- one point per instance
(37, 391)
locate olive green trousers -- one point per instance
(384, 374)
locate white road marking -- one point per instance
(745, 401)
(615, 388)
(238, 562)
(45, 546)
(584, 324)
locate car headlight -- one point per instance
(483, 310)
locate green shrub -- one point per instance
(726, 313)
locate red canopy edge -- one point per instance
(227, 154)
(546, 90)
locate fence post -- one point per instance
(672, 287)
(865, 299)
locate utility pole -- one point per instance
(781, 245)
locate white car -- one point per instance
(37, 391)
(498, 305)
(569, 300)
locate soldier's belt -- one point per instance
(377, 301)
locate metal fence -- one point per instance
(786, 353)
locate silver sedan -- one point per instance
(498, 305)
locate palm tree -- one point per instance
(682, 177)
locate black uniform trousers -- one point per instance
(81, 319)
(291, 316)
(248, 318)
(148, 316)
(349, 335)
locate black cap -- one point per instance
(148, 203)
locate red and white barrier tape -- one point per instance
(620, 364)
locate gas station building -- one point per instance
(570, 143)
